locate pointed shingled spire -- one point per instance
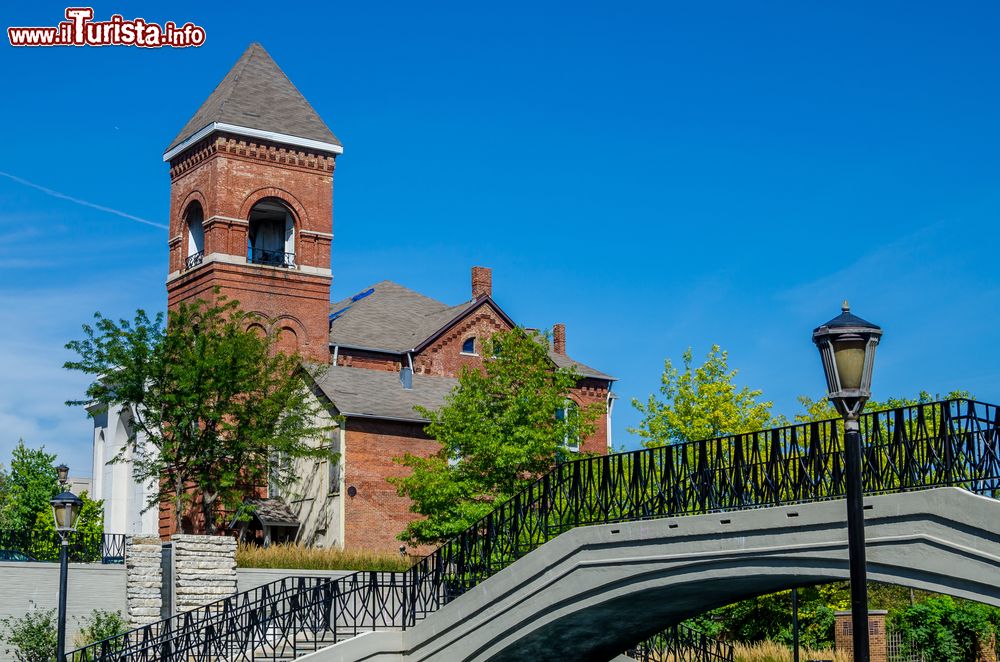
(257, 95)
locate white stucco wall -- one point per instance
(310, 496)
(30, 586)
(124, 497)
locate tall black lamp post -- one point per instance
(65, 510)
(847, 346)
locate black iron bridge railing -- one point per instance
(948, 443)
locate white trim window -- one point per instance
(336, 465)
(569, 412)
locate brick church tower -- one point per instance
(251, 204)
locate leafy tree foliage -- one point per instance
(45, 542)
(32, 637)
(214, 400)
(501, 427)
(823, 409)
(945, 629)
(32, 482)
(700, 403)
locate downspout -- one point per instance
(611, 405)
(336, 353)
(343, 482)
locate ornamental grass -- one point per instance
(300, 557)
(771, 651)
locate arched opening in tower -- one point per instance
(271, 237)
(194, 218)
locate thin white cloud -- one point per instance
(63, 196)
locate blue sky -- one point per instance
(654, 175)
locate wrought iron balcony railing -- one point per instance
(194, 260)
(955, 442)
(83, 547)
(271, 258)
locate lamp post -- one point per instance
(847, 347)
(65, 510)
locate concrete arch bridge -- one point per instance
(602, 552)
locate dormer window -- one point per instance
(271, 236)
(469, 346)
(194, 219)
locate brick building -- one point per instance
(252, 214)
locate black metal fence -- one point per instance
(954, 442)
(83, 547)
(680, 643)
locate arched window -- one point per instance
(469, 346)
(271, 236)
(194, 219)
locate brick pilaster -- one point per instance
(844, 633)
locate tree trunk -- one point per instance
(207, 503)
(178, 502)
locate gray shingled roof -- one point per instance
(256, 94)
(392, 318)
(379, 393)
(270, 512)
(563, 361)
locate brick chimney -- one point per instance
(482, 282)
(559, 338)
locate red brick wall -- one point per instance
(356, 358)
(444, 356)
(227, 176)
(844, 629)
(375, 515)
(594, 392)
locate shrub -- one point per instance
(316, 558)
(100, 625)
(944, 629)
(32, 637)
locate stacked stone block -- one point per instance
(142, 580)
(204, 569)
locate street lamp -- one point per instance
(65, 511)
(847, 346)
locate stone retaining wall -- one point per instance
(204, 569)
(142, 580)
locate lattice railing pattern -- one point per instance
(953, 442)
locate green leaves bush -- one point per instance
(32, 637)
(945, 629)
(100, 625)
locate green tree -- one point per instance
(822, 409)
(31, 484)
(944, 629)
(700, 403)
(501, 427)
(32, 637)
(216, 403)
(44, 544)
(4, 496)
